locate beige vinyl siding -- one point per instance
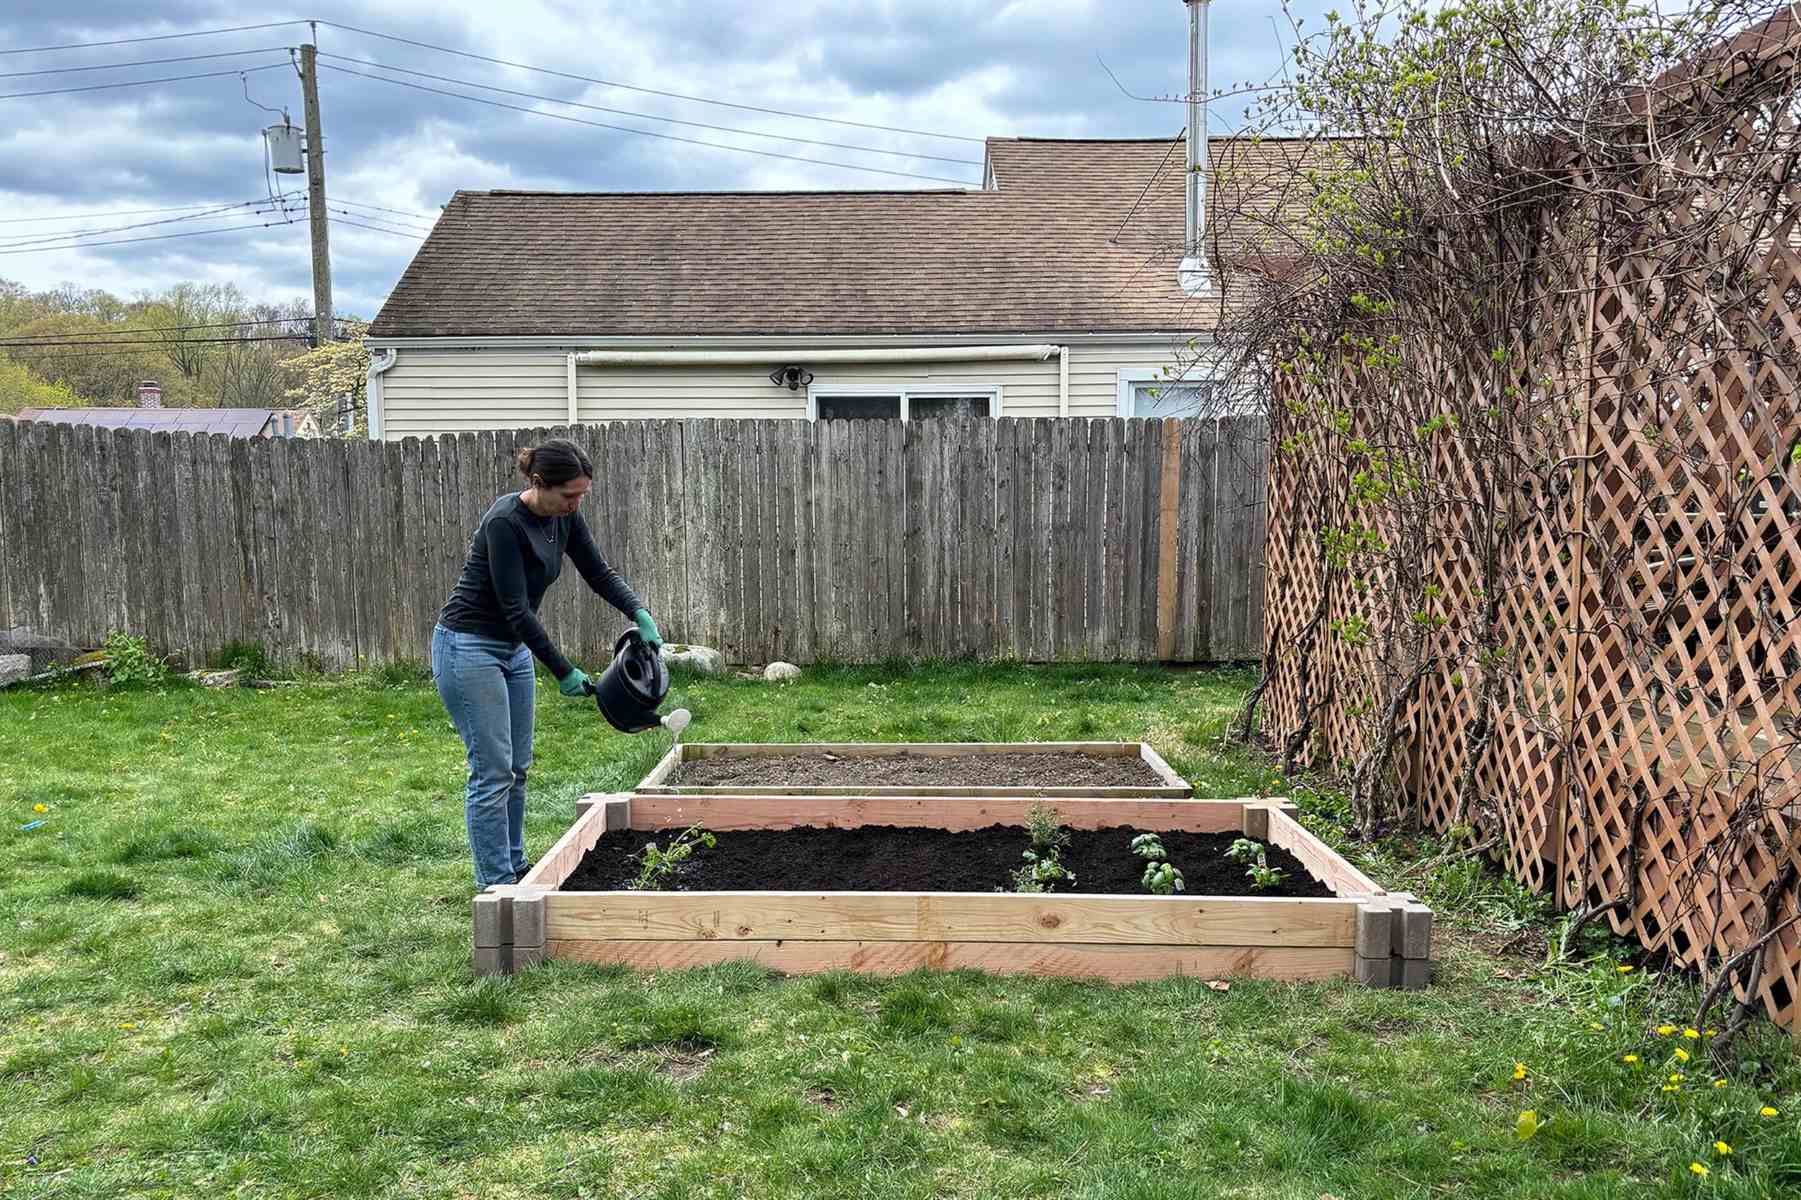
(450, 391)
(1094, 372)
(427, 392)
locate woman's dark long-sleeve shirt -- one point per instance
(514, 557)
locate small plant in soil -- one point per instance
(1044, 867)
(1161, 877)
(1261, 874)
(660, 865)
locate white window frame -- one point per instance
(1129, 376)
(816, 390)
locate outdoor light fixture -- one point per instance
(792, 378)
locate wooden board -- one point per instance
(940, 916)
(555, 864)
(1324, 863)
(962, 811)
(1112, 963)
(1173, 786)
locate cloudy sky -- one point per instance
(952, 69)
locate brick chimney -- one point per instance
(150, 394)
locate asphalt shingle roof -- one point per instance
(1074, 236)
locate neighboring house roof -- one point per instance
(1069, 236)
(237, 422)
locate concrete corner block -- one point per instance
(492, 921)
(1375, 928)
(619, 813)
(493, 960)
(1256, 821)
(1413, 974)
(584, 803)
(1376, 972)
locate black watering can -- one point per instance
(634, 683)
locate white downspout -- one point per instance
(574, 400)
(1063, 381)
(1193, 275)
(372, 394)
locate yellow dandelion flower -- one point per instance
(1519, 1070)
(40, 808)
(1625, 970)
(1691, 1034)
(1630, 1058)
(1709, 1032)
(1676, 1078)
(1721, 1148)
(1767, 1112)
(1697, 1168)
(1526, 1125)
(1719, 1083)
(1681, 1054)
(1665, 1030)
(1672, 1087)
(1596, 1026)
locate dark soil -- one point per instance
(885, 858)
(901, 769)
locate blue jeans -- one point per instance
(488, 684)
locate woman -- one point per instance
(488, 632)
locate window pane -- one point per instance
(925, 407)
(1169, 400)
(859, 408)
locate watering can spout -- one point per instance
(676, 721)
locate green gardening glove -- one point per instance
(648, 628)
(574, 684)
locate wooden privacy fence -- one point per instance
(844, 540)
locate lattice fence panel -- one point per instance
(1645, 741)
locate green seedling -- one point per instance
(1149, 845)
(660, 865)
(1163, 879)
(1044, 867)
(1261, 874)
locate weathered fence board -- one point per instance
(960, 538)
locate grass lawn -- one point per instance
(234, 961)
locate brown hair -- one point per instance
(554, 463)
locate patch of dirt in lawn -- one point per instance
(904, 769)
(887, 858)
(825, 1098)
(682, 1066)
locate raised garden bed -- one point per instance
(1094, 769)
(889, 879)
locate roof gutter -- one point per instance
(809, 357)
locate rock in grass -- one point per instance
(775, 672)
(14, 667)
(704, 659)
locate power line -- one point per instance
(154, 237)
(1155, 175)
(122, 212)
(72, 233)
(379, 229)
(98, 350)
(404, 212)
(669, 137)
(627, 112)
(45, 339)
(97, 87)
(161, 37)
(154, 345)
(142, 62)
(776, 112)
(381, 221)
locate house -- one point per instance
(1050, 291)
(233, 422)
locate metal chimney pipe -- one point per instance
(1193, 275)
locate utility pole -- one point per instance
(315, 192)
